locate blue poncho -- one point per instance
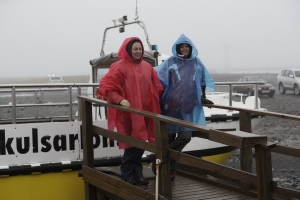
(182, 79)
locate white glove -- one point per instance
(124, 102)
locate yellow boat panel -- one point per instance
(220, 158)
(46, 186)
(57, 185)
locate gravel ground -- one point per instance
(286, 169)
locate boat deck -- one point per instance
(184, 187)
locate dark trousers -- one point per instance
(131, 167)
(178, 143)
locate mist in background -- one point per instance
(38, 38)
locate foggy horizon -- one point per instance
(60, 37)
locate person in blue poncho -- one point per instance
(185, 80)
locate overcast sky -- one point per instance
(62, 36)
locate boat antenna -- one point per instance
(136, 12)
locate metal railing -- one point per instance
(39, 90)
(230, 91)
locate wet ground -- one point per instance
(286, 169)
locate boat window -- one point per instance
(101, 73)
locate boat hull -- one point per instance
(52, 142)
(54, 185)
(31, 149)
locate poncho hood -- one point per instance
(182, 79)
(122, 54)
(183, 39)
(138, 83)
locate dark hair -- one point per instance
(178, 49)
(129, 46)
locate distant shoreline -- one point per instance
(36, 80)
(85, 78)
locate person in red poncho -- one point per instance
(134, 83)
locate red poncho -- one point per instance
(136, 81)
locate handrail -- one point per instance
(255, 111)
(237, 138)
(264, 149)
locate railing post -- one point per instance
(246, 152)
(265, 188)
(256, 96)
(88, 151)
(230, 95)
(36, 102)
(162, 153)
(79, 105)
(43, 101)
(14, 112)
(70, 103)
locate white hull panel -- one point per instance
(61, 142)
(47, 142)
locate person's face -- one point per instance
(136, 50)
(184, 49)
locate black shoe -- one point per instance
(206, 101)
(132, 181)
(142, 181)
(173, 175)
